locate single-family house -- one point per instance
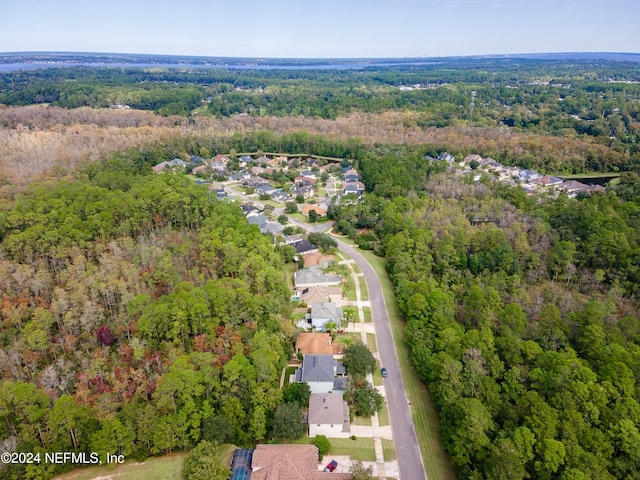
(306, 191)
(221, 159)
(259, 220)
(262, 160)
(323, 313)
(547, 180)
(308, 174)
(177, 162)
(287, 462)
(272, 228)
(160, 167)
(322, 373)
(310, 295)
(351, 179)
(291, 239)
(196, 159)
(350, 189)
(471, 157)
(244, 159)
(328, 415)
(281, 197)
(346, 171)
(446, 157)
(317, 259)
(320, 211)
(264, 189)
(304, 246)
(304, 181)
(528, 175)
(316, 343)
(248, 209)
(314, 277)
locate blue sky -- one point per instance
(331, 28)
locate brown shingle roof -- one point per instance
(317, 344)
(284, 462)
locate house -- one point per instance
(351, 179)
(288, 462)
(306, 191)
(317, 259)
(259, 220)
(304, 246)
(319, 372)
(314, 277)
(272, 228)
(280, 197)
(308, 174)
(160, 167)
(323, 313)
(304, 181)
(350, 189)
(248, 209)
(471, 157)
(244, 159)
(196, 159)
(220, 193)
(222, 159)
(528, 175)
(320, 211)
(264, 189)
(328, 416)
(309, 295)
(176, 162)
(262, 160)
(347, 171)
(317, 344)
(291, 239)
(547, 180)
(446, 157)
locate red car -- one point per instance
(331, 467)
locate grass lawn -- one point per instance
(425, 416)
(377, 376)
(349, 289)
(383, 416)
(367, 314)
(388, 450)
(364, 293)
(362, 421)
(273, 203)
(289, 270)
(359, 449)
(168, 467)
(288, 372)
(371, 342)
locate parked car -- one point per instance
(383, 372)
(331, 467)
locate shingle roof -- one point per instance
(329, 408)
(325, 310)
(319, 368)
(317, 344)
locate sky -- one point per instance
(320, 29)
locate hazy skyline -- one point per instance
(329, 29)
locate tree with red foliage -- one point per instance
(105, 335)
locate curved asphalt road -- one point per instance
(410, 463)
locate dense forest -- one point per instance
(598, 99)
(141, 317)
(138, 317)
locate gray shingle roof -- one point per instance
(325, 310)
(319, 368)
(328, 408)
